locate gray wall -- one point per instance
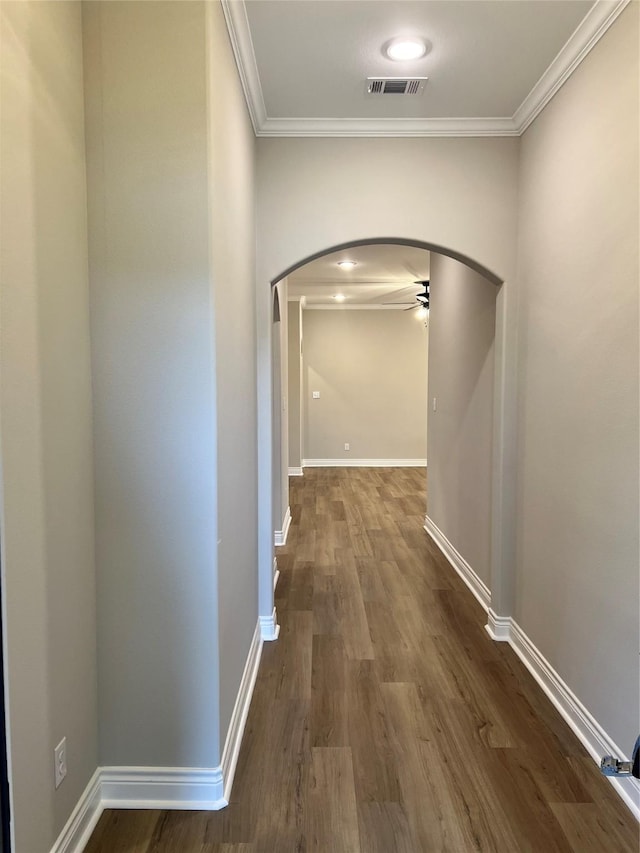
(578, 382)
(151, 146)
(45, 405)
(232, 206)
(370, 368)
(155, 420)
(424, 189)
(294, 352)
(461, 376)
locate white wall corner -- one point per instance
(473, 581)
(296, 472)
(498, 627)
(77, 830)
(586, 728)
(269, 627)
(233, 740)
(280, 536)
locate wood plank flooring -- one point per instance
(384, 719)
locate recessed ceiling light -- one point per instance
(405, 49)
(339, 297)
(346, 265)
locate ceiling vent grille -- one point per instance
(395, 85)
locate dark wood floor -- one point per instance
(384, 720)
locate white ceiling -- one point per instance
(384, 274)
(492, 66)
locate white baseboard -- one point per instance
(498, 627)
(473, 581)
(280, 537)
(184, 788)
(276, 574)
(586, 728)
(269, 627)
(364, 463)
(188, 788)
(77, 830)
(233, 740)
(296, 472)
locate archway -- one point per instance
(502, 438)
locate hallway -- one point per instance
(385, 720)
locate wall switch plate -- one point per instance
(434, 404)
(60, 761)
(346, 446)
(316, 395)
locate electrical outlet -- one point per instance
(316, 395)
(346, 445)
(60, 761)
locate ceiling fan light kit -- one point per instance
(422, 299)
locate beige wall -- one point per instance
(45, 401)
(154, 382)
(461, 376)
(370, 368)
(232, 234)
(578, 382)
(294, 353)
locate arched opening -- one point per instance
(496, 588)
(394, 241)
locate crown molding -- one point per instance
(431, 127)
(584, 38)
(588, 33)
(235, 15)
(363, 306)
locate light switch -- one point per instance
(316, 395)
(434, 404)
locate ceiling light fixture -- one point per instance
(346, 265)
(339, 297)
(405, 49)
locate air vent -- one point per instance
(395, 85)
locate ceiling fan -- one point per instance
(421, 299)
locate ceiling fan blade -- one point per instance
(399, 292)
